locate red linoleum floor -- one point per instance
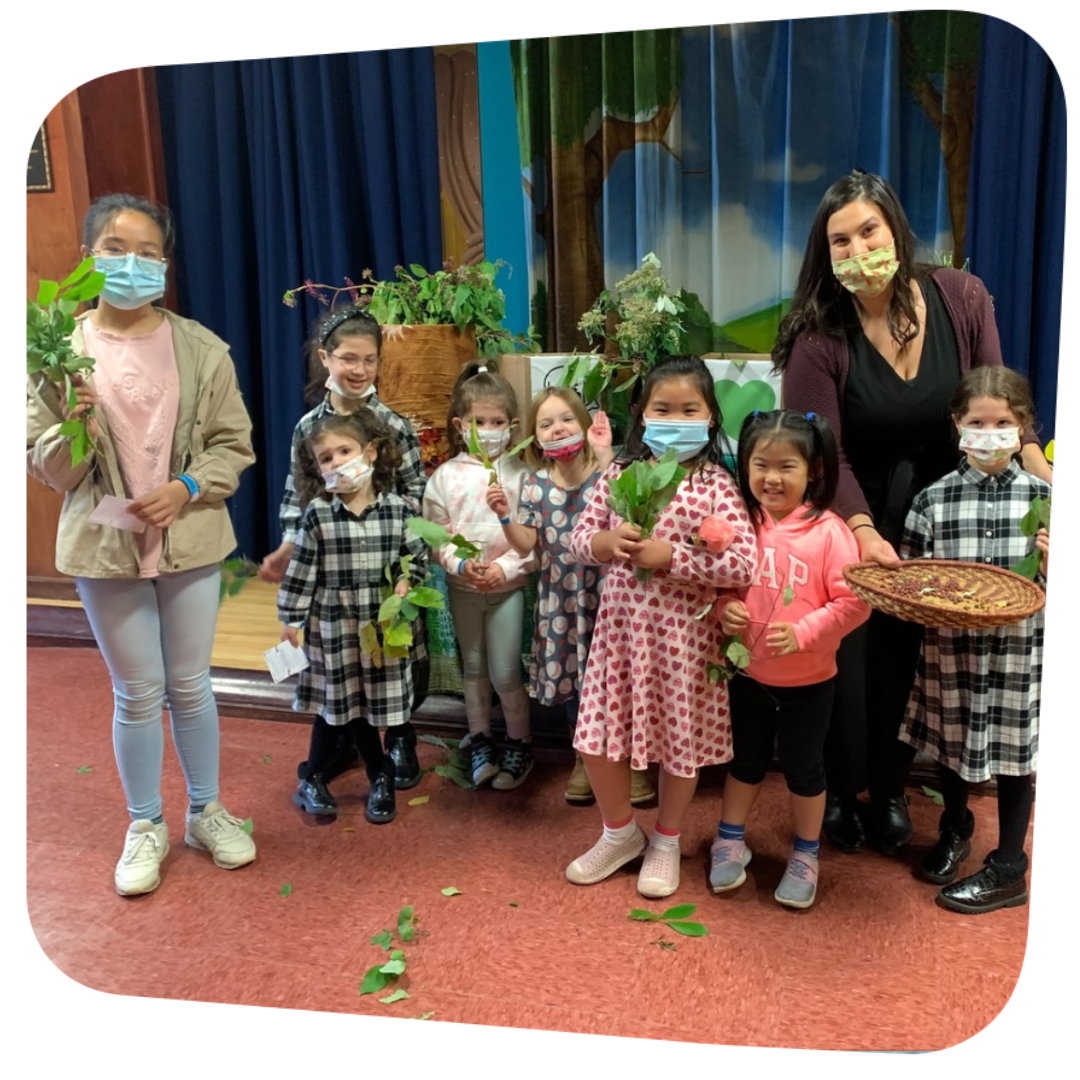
(875, 965)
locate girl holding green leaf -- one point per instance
(353, 528)
(167, 436)
(974, 707)
(486, 591)
(646, 695)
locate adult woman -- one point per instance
(877, 344)
(171, 437)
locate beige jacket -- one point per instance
(212, 444)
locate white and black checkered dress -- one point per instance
(975, 703)
(334, 584)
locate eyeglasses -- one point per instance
(111, 258)
(349, 361)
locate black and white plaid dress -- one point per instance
(334, 585)
(975, 703)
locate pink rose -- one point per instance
(716, 534)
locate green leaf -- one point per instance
(248, 826)
(82, 270)
(515, 450)
(682, 911)
(70, 428)
(405, 924)
(266, 759)
(419, 800)
(476, 447)
(399, 635)
(85, 769)
(934, 796)
(47, 291)
(418, 270)
(432, 534)
(374, 980)
(595, 382)
(409, 610)
(433, 740)
(1044, 513)
(393, 967)
(389, 608)
(450, 890)
(425, 597)
(738, 653)
(690, 929)
(80, 445)
(789, 595)
(383, 940)
(369, 643)
(397, 995)
(1029, 566)
(640, 915)
(286, 889)
(423, 1016)
(1029, 523)
(465, 549)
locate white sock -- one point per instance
(620, 835)
(665, 843)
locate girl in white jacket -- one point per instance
(487, 598)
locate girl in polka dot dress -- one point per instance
(569, 452)
(646, 695)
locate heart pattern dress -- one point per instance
(646, 695)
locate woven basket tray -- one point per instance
(965, 596)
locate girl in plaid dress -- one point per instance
(974, 707)
(353, 527)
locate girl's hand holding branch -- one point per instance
(780, 637)
(653, 555)
(497, 501)
(87, 399)
(473, 573)
(621, 543)
(1042, 542)
(735, 618)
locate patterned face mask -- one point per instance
(990, 447)
(347, 477)
(564, 449)
(867, 274)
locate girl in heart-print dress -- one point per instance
(646, 695)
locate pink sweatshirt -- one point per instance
(808, 554)
(455, 497)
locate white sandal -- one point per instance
(604, 858)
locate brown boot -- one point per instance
(578, 788)
(641, 791)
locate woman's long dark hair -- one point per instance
(821, 303)
(812, 439)
(363, 426)
(678, 367)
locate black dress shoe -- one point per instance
(942, 862)
(313, 796)
(890, 825)
(995, 886)
(407, 771)
(380, 803)
(345, 760)
(843, 826)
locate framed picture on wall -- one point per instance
(38, 170)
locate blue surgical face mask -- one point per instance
(131, 282)
(686, 437)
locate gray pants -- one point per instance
(488, 628)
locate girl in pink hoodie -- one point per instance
(789, 624)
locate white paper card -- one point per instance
(114, 511)
(285, 659)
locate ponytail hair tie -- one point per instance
(756, 413)
(481, 370)
(811, 416)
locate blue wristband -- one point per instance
(193, 488)
(461, 566)
(505, 521)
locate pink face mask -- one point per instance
(564, 449)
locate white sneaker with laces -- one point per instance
(138, 870)
(217, 831)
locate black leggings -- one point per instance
(327, 739)
(796, 716)
(1015, 796)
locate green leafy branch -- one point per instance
(734, 655)
(436, 536)
(50, 322)
(378, 976)
(1036, 518)
(235, 574)
(477, 449)
(676, 918)
(641, 492)
(396, 617)
(456, 767)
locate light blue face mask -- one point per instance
(686, 437)
(131, 282)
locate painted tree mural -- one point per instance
(939, 53)
(583, 101)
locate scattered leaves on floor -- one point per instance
(934, 796)
(248, 826)
(419, 800)
(450, 891)
(266, 759)
(85, 768)
(405, 924)
(286, 889)
(374, 980)
(423, 1016)
(382, 939)
(397, 995)
(675, 918)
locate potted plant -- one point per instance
(433, 323)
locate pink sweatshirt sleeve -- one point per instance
(842, 611)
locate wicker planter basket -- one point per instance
(944, 592)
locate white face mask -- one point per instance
(493, 440)
(348, 477)
(990, 447)
(333, 386)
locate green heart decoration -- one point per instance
(738, 401)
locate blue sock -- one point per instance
(730, 832)
(808, 847)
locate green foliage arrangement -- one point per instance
(396, 617)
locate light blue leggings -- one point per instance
(156, 635)
(488, 628)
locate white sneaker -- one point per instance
(659, 875)
(217, 831)
(138, 870)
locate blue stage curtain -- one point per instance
(1016, 217)
(282, 170)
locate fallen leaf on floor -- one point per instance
(266, 759)
(85, 768)
(348, 828)
(382, 939)
(419, 800)
(374, 980)
(397, 995)
(514, 903)
(286, 889)
(423, 1016)
(248, 826)
(934, 796)
(450, 891)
